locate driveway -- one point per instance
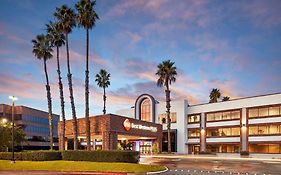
(201, 166)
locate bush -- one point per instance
(32, 155)
(102, 156)
(92, 156)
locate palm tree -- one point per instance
(225, 98)
(87, 18)
(102, 79)
(66, 21)
(57, 39)
(214, 95)
(167, 74)
(42, 50)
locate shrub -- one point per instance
(32, 155)
(102, 156)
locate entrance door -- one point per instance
(196, 149)
(146, 147)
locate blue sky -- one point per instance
(231, 45)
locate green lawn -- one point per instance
(61, 165)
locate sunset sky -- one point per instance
(231, 45)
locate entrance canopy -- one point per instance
(110, 128)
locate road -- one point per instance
(201, 166)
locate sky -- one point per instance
(234, 46)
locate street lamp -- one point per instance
(13, 98)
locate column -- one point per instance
(109, 140)
(202, 133)
(244, 131)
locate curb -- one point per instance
(158, 172)
(151, 172)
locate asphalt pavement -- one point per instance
(201, 166)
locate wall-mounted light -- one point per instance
(202, 130)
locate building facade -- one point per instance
(35, 124)
(251, 125)
(111, 132)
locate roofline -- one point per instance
(29, 108)
(237, 99)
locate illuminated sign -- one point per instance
(128, 125)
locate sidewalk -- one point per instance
(212, 157)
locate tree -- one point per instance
(167, 75)
(43, 51)
(102, 79)
(87, 18)
(214, 95)
(6, 136)
(57, 39)
(225, 98)
(66, 21)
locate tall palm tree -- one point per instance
(87, 18)
(57, 39)
(66, 21)
(225, 98)
(167, 75)
(214, 95)
(102, 79)
(43, 51)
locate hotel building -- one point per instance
(35, 124)
(251, 124)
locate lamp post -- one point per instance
(13, 98)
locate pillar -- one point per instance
(202, 133)
(109, 140)
(244, 131)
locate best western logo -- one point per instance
(128, 125)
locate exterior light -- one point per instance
(13, 98)
(202, 130)
(4, 120)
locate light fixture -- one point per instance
(4, 120)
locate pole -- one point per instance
(13, 131)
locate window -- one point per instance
(227, 148)
(274, 110)
(146, 110)
(162, 118)
(195, 118)
(265, 148)
(223, 132)
(253, 113)
(265, 130)
(228, 115)
(193, 133)
(265, 111)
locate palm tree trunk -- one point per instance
(74, 119)
(104, 100)
(168, 106)
(61, 101)
(49, 105)
(88, 131)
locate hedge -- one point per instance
(102, 156)
(32, 155)
(92, 156)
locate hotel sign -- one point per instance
(129, 125)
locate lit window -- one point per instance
(146, 110)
